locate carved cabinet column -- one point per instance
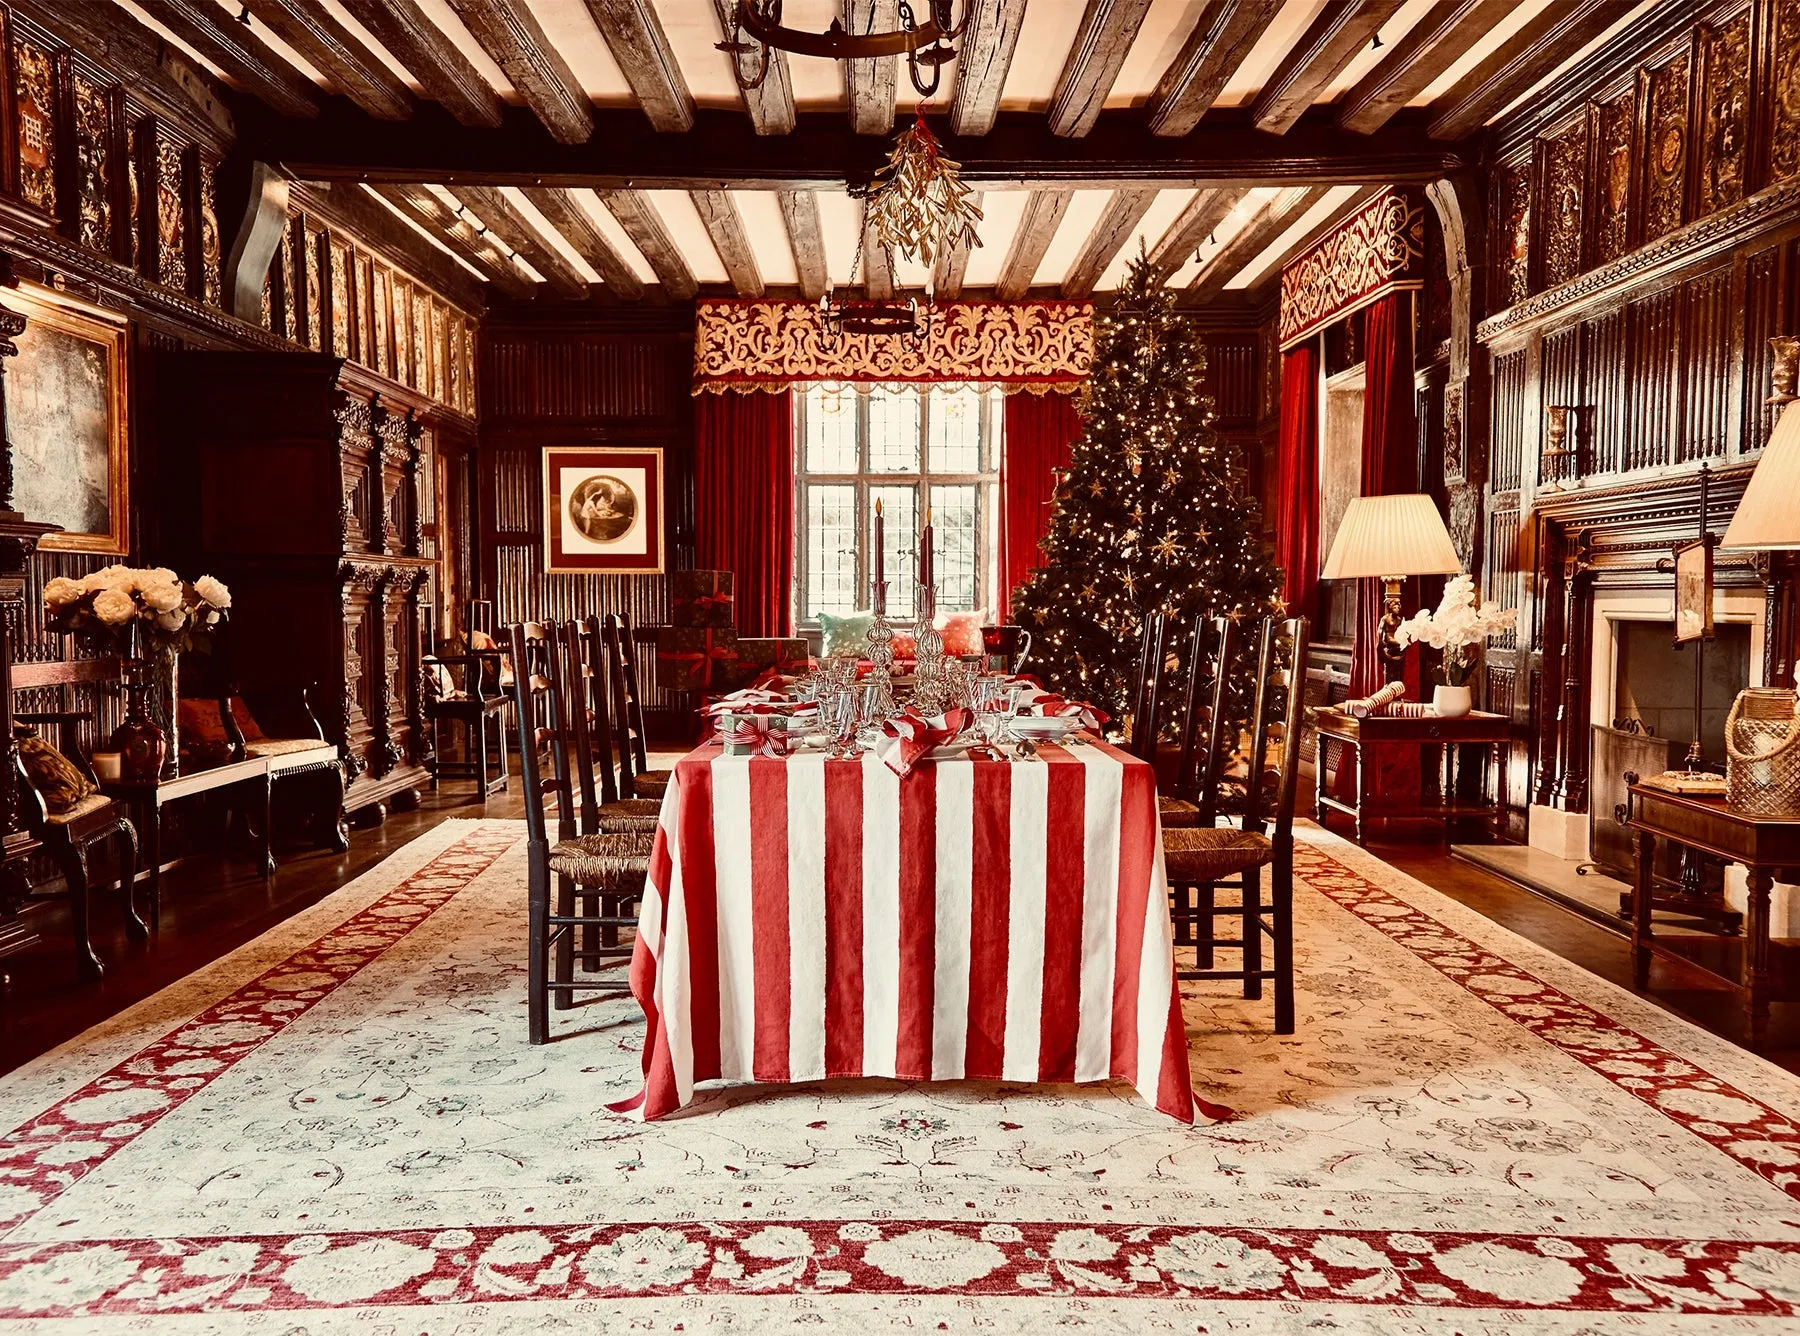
(1572, 710)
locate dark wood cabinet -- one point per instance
(303, 482)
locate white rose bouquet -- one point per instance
(1460, 623)
(172, 614)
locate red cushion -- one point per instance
(245, 721)
(200, 721)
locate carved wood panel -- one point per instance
(1654, 395)
(1724, 141)
(1665, 145)
(1708, 336)
(209, 286)
(1456, 445)
(1510, 421)
(342, 304)
(34, 93)
(1504, 580)
(1612, 193)
(1762, 321)
(95, 170)
(1565, 163)
(1562, 373)
(1512, 255)
(1604, 394)
(168, 224)
(1784, 92)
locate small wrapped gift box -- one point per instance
(690, 658)
(757, 655)
(702, 599)
(763, 730)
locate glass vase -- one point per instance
(162, 699)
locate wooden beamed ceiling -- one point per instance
(565, 148)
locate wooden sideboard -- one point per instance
(305, 484)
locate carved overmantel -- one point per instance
(1607, 538)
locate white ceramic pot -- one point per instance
(1451, 702)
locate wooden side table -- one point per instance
(1768, 848)
(148, 800)
(1477, 728)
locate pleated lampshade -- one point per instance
(1768, 517)
(1384, 536)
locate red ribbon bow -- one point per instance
(767, 741)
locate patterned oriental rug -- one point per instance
(340, 1128)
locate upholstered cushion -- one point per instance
(92, 802)
(630, 816)
(848, 634)
(603, 862)
(1178, 813)
(57, 779)
(651, 784)
(246, 721)
(286, 746)
(1192, 857)
(200, 722)
(961, 631)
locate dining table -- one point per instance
(991, 916)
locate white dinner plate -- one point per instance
(1043, 726)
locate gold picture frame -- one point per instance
(66, 415)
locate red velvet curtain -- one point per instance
(744, 502)
(1040, 429)
(1297, 480)
(1389, 465)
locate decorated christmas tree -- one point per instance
(1153, 514)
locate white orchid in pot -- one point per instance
(1459, 627)
(151, 615)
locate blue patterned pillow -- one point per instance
(848, 634)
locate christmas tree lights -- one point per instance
(1152, 513)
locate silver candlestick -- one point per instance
(928, 657)
(881, 656)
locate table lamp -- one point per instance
(1388, 538)
(1768, 518)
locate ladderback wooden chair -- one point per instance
(1200, 858)
(465, 689)
(594, 870)
(1146, 696)
(584, 684)
(70, 828)
(1211, 646)
(636, 779)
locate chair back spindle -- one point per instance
(630, 763)
(1147, 699)
(600, 679)
(1280, 702)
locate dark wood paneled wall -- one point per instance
(570, 377)
(1643, 243)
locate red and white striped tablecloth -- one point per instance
(808, 918)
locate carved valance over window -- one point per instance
(1375, 250)
(1041, 347)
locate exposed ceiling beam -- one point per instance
(1195, 224)
(508, 31)
(1342, 29)
(1251, 240)
(512, 227)
(771, 102)
(329, 47)
(431, 57)
(951, 263)
(1222, 37)
(635, 34)
(1101, 43)
(645, 227)
(1124, 211)
(1439, 39)
(823, 153)
(726, 230)
(211, 31)
(1271, 281)
(806, 238)
(1545, 42)
(1043, 212)
(869, 85)
(437, 217)
(877, 265)
(983, 56)
(581, 232)
(351, 207)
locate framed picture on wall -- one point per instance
(66, 416)
(603, 510)
(1693, 592)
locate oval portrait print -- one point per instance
(603, 508)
